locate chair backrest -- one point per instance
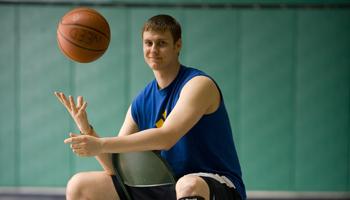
(142, 169)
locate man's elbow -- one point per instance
(170, 139)
(167, 146)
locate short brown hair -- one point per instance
(163, 23)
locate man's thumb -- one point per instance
(73, 135)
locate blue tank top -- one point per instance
(207, 147)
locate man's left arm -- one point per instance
(198, 97)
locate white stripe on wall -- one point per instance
(297, 195)
(272, 195)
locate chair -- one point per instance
(141, 170)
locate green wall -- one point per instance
(285, 75)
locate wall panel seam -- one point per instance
(72, 88)
(17, 82)
(348, 143)
(127, 89)
(295, 99)
(239, 77)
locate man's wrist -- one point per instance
(103, 144)
(90, 131)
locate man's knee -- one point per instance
(91, 185)
(76, 188)
(188, 186)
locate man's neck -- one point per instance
(166, 76)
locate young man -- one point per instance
(181, 113)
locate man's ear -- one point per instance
(178, 45)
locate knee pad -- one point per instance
(192, 198)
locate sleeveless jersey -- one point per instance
(207, 147)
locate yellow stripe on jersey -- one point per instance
(160, 122)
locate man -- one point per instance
(181, 113)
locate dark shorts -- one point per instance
(218, 191)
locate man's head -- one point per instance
(161, 37)
(163, 23)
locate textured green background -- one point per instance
(285, 75)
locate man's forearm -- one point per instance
(105, 159)
(150, 139)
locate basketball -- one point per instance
(83, 35)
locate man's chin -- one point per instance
(155, 66)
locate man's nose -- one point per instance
(154, 48)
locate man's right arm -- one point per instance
(129, 127)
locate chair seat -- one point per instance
(142, 169)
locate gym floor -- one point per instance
(58, 194)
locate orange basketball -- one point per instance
(83, 35)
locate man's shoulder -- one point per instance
(192, 70)
(189, 73)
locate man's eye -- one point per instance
(162, 43)
(148, 43)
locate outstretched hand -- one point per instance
(84, 145)
(78, 112)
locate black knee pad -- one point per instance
(192, 198)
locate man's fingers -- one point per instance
(79, 101)
(64, 101)
(57, 94)
(80, 152)
(83, 107)
(73, 135)
(76, 146)
(69, 103)
(74, 138)
(77, 151)
(68, 140)
(63, 97)
(72, 104)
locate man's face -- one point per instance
(159, 49)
